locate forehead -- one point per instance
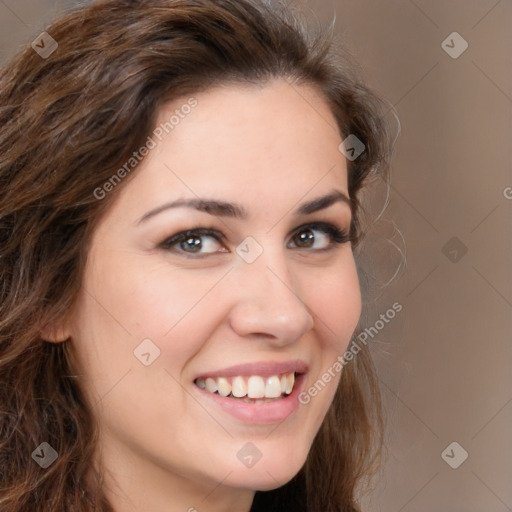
(244, 140)
(240, 115)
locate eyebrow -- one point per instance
(232, 210)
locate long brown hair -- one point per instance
(69, 120)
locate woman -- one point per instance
(180, 206)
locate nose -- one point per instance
(267, 303)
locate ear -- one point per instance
(55, 332)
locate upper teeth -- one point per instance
(251, 387)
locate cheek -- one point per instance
(336, 304)
(335, 300)
(129, 300)
(148, 297)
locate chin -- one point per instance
(270, 472)
(261, 480)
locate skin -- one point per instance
(270, 149)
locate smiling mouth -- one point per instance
(250, 389)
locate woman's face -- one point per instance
(260, 289)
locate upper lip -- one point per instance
(263, 368)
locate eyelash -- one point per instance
(338, 236)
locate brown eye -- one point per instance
(304, 238)
(319, 236)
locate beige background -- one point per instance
(445, 361)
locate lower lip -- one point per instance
(269, 412)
